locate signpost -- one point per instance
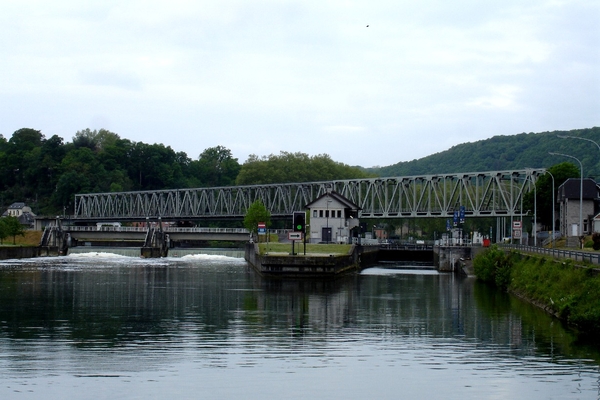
(517, 230)
(294, 235)
(299, 229)
(262, 228)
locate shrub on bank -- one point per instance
(568, 291)
(494, 266)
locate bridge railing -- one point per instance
(105, 229)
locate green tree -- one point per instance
(154, 167)
(294, 167)
(3, 230)
(69, 184)
(13, 227)
(216, 167)
(257, 212)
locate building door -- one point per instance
(574, 230)
(326, 234)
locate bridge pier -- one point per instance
(156, 244)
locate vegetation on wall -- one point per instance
(566, 290)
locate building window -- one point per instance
(315, 213)
(339, 213)
(320, 213)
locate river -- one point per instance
(106, 326)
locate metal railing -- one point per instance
(593, 258)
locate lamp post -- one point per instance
(553, 206)
(580, 190)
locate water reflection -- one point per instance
(103, 316)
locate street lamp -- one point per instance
(553, 207)
(580, 189)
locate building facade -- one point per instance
(331, 219)
(569, 206)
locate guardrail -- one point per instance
(593, 258)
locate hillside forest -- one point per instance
(524, 150)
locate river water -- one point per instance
(104, 326)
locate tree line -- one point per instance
(46, 173)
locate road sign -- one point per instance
(517, 233)
(295, 235)
(262, 228)
(517, 225)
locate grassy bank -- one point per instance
(311, 248)
(569, 291)
(31, 238)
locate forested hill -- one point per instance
(525, 150)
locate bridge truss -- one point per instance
(483, 194)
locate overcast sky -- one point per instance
(260, 77)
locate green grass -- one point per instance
(30, 238)
(311, 248)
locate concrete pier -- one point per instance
(310, 266)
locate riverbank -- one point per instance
(569, 291)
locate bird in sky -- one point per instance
(367, 26)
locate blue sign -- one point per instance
(448, 227)
(455, 218)
(462, 215)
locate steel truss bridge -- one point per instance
(482, 194)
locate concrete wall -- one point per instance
(18, 252)
(447, 258)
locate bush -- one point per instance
(493, 266)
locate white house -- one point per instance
(22, 212)
(331, 218)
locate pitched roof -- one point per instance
(338, 197)
(571, 188)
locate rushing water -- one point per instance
(102, 326)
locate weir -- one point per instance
(159, 241)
